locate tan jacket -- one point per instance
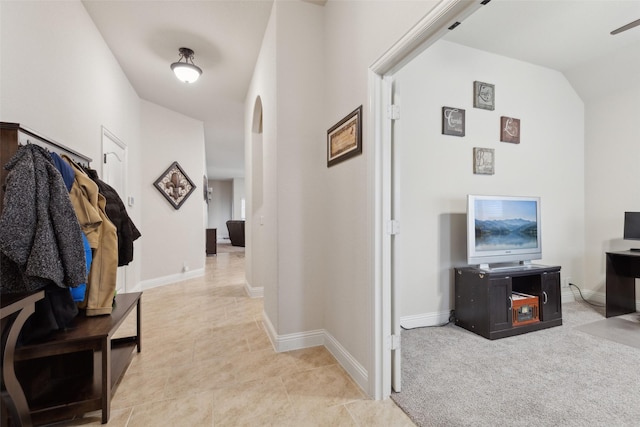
(89, 205)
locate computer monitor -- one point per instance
(632, 227)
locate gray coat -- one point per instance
(40, 238)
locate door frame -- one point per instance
(427, 31)
(106, 134)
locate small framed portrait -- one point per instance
(344, 139)
(484, 96)
(452, 121)
(483, 161)
(510, 130)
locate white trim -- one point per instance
(282, 343)
(422, 35)
(168, 280)
(299, 340)
(271, 331)
(315, 338)
(567, 296)
(257, 292)
(136, 288)
(426, 32)
(381, 309)
(425, 319)
(355, 370)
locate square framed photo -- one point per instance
(453, 121)
(484, 95)
(175, 185)
(510, 130)
(483, 161)
(344, 139)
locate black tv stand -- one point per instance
(484, 302)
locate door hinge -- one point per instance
(395, 342)
(393, 112)
(393, 227)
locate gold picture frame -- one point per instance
(175, 185)
(344, 140)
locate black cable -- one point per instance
(583, 299)
(421, 327)
(451, 319)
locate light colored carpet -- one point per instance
(560, 376)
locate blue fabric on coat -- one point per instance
(79, 291)
(68, 174)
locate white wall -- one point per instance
(52, 58)
(173, 238)
(612, 160)
(356, 34)
(260, 172)
(301, 156)
(322, 247)
(220, 206)
(435, 171)
(238, 196)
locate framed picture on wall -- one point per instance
(205, 188)
(452, 121)
(175, 185)
(510, 130)
(484, 96)
(344, 139)
(483, 161)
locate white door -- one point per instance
(114, 168)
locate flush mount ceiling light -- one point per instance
(186, 71)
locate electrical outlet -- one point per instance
(566, 281)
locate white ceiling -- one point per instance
(571, 36)
(226, 36)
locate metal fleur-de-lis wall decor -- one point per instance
(175, 185)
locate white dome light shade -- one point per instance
(186, 71)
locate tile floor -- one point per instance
(206, 361)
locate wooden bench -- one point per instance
(76, 371)
(15, 309)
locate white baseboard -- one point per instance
(257, 292)
(355, 370)
(300, 340)
(425, 319)
(591, 296)
(567, 296)
(167, 280)
(136, 288)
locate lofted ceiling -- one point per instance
(571, 36)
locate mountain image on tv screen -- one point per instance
(504, 225)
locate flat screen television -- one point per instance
(503, 230)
